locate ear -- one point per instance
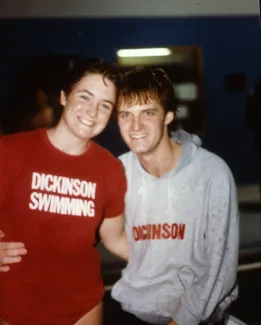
(63, 99)
(169, 118)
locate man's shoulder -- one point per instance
(212, 163)
(127, 158)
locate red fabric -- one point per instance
(42, 194)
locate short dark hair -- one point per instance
(141, 84)
(84, 67)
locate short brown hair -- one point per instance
(141, 84)
(90, 66)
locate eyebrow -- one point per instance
(91, 94)
(150, 109)
(129, 110)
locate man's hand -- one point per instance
(172, 323)
(10, 252)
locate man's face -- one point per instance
(88, 107)
(143, 127)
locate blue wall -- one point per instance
(230, 45)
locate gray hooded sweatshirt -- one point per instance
(183, 230)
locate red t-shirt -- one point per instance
(53, 203)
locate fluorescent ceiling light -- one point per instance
(144, 52)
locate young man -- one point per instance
(57, 188)
(181, 213)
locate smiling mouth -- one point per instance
(138, 136)
(86, 122)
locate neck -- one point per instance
(66, 141)
(161, 160)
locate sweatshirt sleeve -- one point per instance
(218, 285)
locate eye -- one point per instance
(106, 106)
(148, 113)
(124, 115)
(85, 97)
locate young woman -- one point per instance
(57, 187)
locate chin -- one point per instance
(83, 136)
(139, 150)
(87, 135)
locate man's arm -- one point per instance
(218, 285)
(10, 253)
(113, 236)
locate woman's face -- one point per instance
(88, 107)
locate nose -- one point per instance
(92, 110)
(136, 123)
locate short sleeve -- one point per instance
(4, 174)
(116, 186)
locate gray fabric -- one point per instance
(183, 228)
